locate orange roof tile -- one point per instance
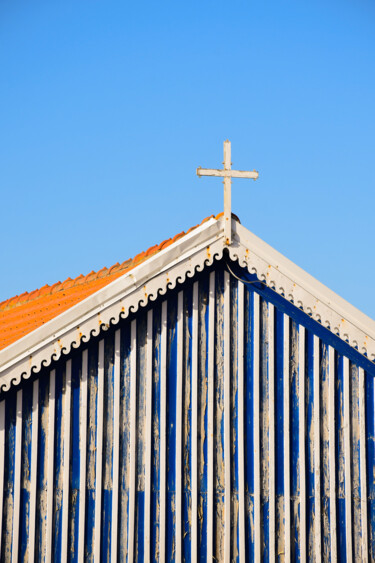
(24, 313)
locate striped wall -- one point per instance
(210, 426)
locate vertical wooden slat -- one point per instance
(210, 420)
(163, 428)
(34, 468)
(332, 454)
(66, 462)
(133, 435)
(179, 411)
(51, 441)
(194, 427)
(271, 407)
(317, 488)
(83, 456)
(2, 452)
(362, 463)
(116, 445)
(17, 479)
(241, 437)
(99, 453)
(348, 484)
(256, 363)
(147, 524)
(227, 401)
(286, 370)
(302, 447)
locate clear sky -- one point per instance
(107, 108)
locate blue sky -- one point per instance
(107, 108)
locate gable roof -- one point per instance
(58, 318)
(24, 313)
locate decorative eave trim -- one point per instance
(111, 303)
(163, 271)
(304, 291)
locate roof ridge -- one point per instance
(113, 271)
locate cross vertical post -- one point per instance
(227, 174)
(227, 194)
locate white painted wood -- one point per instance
(133, 439)
(257, 485)
(332, 453)
(17, 478)
(51, 461)
(179, 411)
(158, 272)
(272, 456)
(362, 463)
(227, 425)
(163, 428)
(227, 173)
(194, 425)
(2, 461)
(148, 453)
(83, 456)
(116, 445)
(165, 268)
(302, 447)
(227, 194)
(210, 420)
(317, 470)
(241, 425)
(34, 469)
(286, 379)
(99, 453)
(347, 450)
(66, 462)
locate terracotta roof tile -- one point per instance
(24, 313)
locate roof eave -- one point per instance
(163, 271)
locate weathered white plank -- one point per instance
(83, 456)
(286, 370)
(332, 453)
(116, 445)
(50, 483)
(34, 469)
(163, 428)
(241, 426)
(194, 425)
(317, 488)
(17, 478)
(210, 420)
(66, 462)
(147, 524)
(302, 438)
(99, 453)
(227, 437)
(179, 410)
(362, 463)
(348, 483)
(133, 437)
(257, 486)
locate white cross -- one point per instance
(227, 173)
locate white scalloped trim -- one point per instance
(137, 292)
(304, 291)
(164, 271)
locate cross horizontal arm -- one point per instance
(227, 173)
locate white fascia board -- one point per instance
(302, 289)
(173, 265)
(116, 300)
